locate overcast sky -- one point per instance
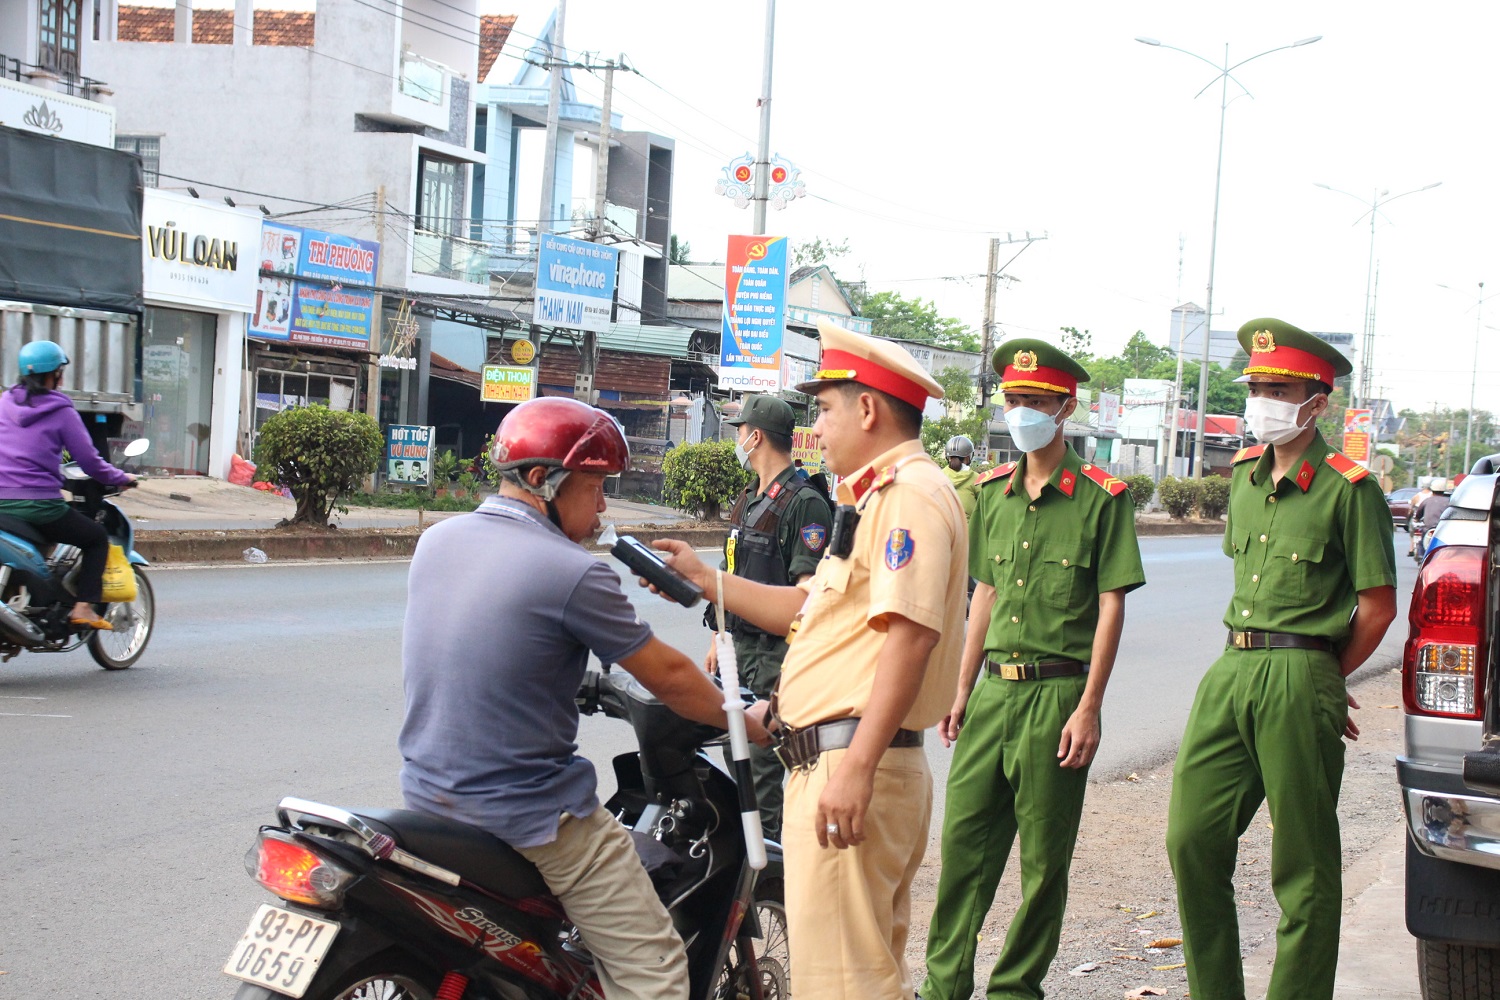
(924, 128)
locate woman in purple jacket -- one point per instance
(37, 422)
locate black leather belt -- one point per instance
(1036, 671)
(1256, 639)
(799, 748)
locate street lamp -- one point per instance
(1367, 339)
(1225, 71)
(1474, 377)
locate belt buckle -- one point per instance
(1242, 640)
(797, 751)
(1012, 672)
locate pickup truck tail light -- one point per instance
(1441, 671)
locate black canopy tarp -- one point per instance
(70, 223)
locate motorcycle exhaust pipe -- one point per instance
(20, 628)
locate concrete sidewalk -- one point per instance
(1377, 957)
(191, 503)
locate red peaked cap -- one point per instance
(879, 364)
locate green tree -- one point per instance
(963, 415)
(1213, 497)
(702, 478)
(811, 253)
(1142, 488)
(1076, 345)
(1178, 496)
(900, 318)
(320, 455)
(679, 251)
(1331, 423)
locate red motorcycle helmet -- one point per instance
(561, 433)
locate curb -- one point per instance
(169, 546)
(173, 547)
(1156, 529)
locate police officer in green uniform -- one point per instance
(778, 529)
(1052, 547)
(1314, 591)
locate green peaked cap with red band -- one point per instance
(1279, 351)
(1030, 365)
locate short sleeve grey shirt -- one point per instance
(502, 612)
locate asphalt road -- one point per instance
(130, 798)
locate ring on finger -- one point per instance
(832, 828)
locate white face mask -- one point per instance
(1030, 429)
(743, 454)
(1275, 421)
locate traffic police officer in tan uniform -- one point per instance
(778, 528)
(873, 662)
(1314, 591)
(1053, 550)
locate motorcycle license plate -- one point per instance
(281, 950)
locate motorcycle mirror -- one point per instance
(137, 447)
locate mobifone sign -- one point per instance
(754, 318)
(575, 284)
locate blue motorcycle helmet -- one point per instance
(40, 357)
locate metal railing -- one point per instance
(67, 83)
(444, 256)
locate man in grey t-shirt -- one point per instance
(503, 608)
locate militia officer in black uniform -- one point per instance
(778, 529)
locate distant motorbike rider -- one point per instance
(960, 454)
(1426, 514)
(504, 606)
(37, 424)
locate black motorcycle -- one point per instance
(390, 904)
(37, 582)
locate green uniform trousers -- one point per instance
(1005, 780)
(760, 668)
(1265, 725)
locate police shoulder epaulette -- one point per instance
(998, 472)
(1110, 484)
(873, 482)
(1346, 466)
(1246, 454)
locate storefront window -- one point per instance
(177, 376)
(278, 390)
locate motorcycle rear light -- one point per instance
(296, 873)
(1441, 669)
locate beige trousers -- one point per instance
(849, 911)
(592, 867)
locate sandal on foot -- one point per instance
(96, 623)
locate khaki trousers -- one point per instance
(849, 911)
(593, 869)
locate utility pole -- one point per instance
(1473, 378)
(546, 216)
(991, 275)
(588, 362)
(601, 163)
(1177, 382)
(763, 148)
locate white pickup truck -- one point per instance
(1450, 771)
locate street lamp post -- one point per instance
(1367, 339)
(1225, 71)
(1474, 375)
